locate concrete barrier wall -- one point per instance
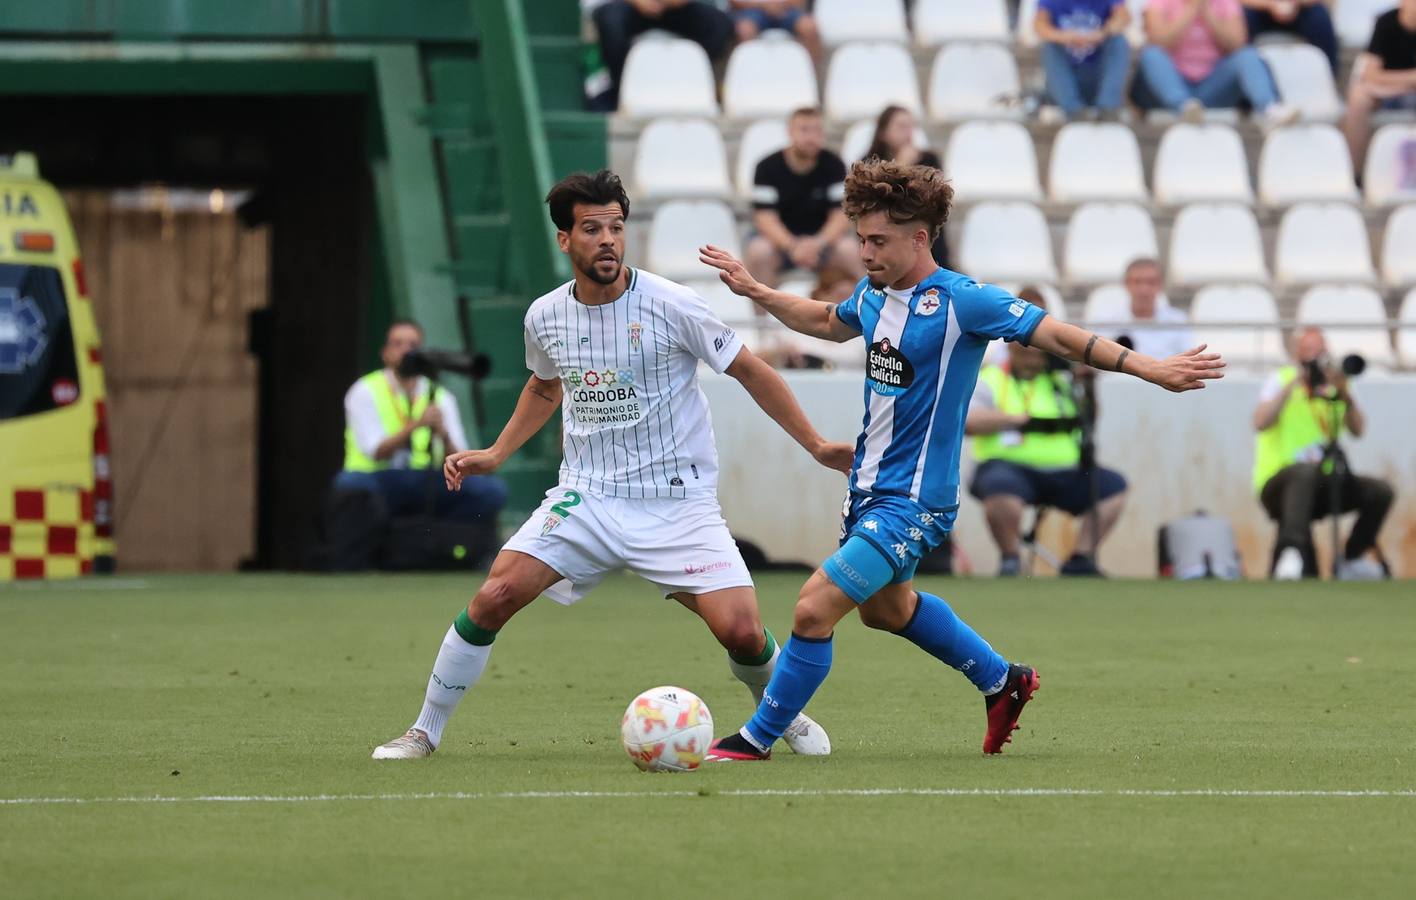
(1179, 452)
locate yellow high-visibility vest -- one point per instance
(1038, 397)
(393, 412)
(1303, 423)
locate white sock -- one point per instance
(755, 677)
(458, 666)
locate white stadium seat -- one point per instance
(1107, 303)
(867, 76)
(1216, 242)
(1201, 163)
(769, 76)
(669, 77)
(1389, 175)
(1261, 344)
(1103, 238)
(1095, 162)
(723, 303)
(1305, 162)
(992, 161)
(1327, 304)
(680, 227)
(974, 80)
(1007, 241)
(1322, 242)
(1353, 20)
(1027, 15)
(681, 158)
(939, 21)
(1406, 333)
(857, 140)
(759, 140)
(852, 20)
(800, 287)
(1399, 248)
(1304, 80)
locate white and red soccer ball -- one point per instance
(667, 729)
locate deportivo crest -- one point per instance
(636, 335)
(929, 303)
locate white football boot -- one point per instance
(413, 744)
(1289, 566)
(807, 738)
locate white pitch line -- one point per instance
(740, 792)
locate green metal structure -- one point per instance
(475, 112)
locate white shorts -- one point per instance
(680, 545)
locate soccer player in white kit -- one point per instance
(618, 349)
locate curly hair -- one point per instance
(903, 193)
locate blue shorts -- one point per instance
(786, 21)
(882, 541)
(1066, 489)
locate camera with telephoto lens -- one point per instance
(430, 362)
(1316, 370)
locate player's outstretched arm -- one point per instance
(538, 400)
(1186, 371)
(771, 393)
(797, 313)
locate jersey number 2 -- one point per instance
(562, 508)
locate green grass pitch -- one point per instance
(275, 689)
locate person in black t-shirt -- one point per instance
(1386, 76)
(796, 206)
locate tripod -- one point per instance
(1334, 466)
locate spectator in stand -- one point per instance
(619, 22)
(1143, 283)
(1383, 78)
(796, 206)
(1085, 54)
(1199, 57)
(894, 140)
(752, 17)
(1308, 19)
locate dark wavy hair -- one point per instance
(903, 193)
(593, 188)
(878, 148)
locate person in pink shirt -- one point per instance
(1199, 57)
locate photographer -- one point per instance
(1302, 411)
(1027, 442)
(398, 428)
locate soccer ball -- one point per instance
(667, 729)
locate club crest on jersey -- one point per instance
(551, 524)
(929, 303)
(887, 371)
(636, 335)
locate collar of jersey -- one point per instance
(934, 280)
(629, 286)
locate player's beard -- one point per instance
(592, 271)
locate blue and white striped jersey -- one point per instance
(924, 348)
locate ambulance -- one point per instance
(56, 493)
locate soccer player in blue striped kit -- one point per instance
(926, 329)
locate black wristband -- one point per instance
(1087, 354)
(1121, 359)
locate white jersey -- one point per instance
(636, 422)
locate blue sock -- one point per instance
(938, 631)
(799, 672)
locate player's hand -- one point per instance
(835, 455)
(1188, 371)
(468, 462)
(731, 271)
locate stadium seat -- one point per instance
(1201, 163)
(1027, 14)
(759, 140)
(1095, 162)
(1007, 241)
(1305, 162)
(1328, 304)
(1251, 305)
(939, 21)
(992, 161)
(867, 76)
(1320, 242)
(800, 286)
(669, 77)
(1353, 20)
(1108, 303)
(1304, 80)
(974, 80)
(727, 306)
(769, 76)
(680, 227)
(851, 20)
(1103, 238)
(1399, 248)
(1389, 175)
(1216, 242)
(1406, 333)
(857, 140)
(681, 158)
